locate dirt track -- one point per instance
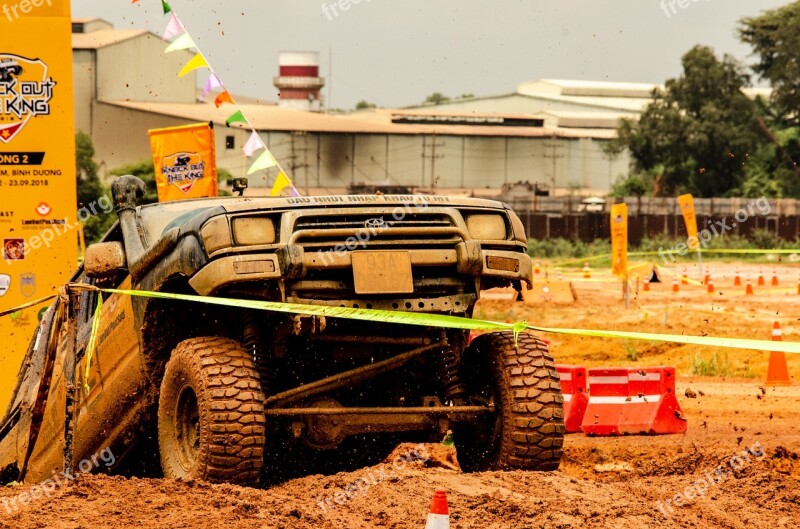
(603, 482)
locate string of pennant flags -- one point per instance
(180, 39)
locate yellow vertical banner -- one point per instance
(184, 159)
(686, 203)
(37, 169)
(619, 240)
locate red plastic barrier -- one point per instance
(631, 401)
(576, 397)
(608, 389)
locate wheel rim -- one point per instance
(187, 428)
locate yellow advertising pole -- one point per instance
(619, 245)
(686, 203)
(37, 169)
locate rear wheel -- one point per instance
(527, 429)
(211, 413)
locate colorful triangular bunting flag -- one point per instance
(181, 43)
(236, 117)
(264, 161)
(211, 83)
(198, 61)
(174, 28)
(166, 6)
(281, 182)
(223, 97)
(253, 144)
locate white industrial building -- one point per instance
(548, 132)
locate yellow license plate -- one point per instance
(386, 272)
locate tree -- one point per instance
(364, 105)
(775, 39)
(436, 98)
(88, 183)
(90, 189)
(697, 134)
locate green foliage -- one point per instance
(89, 185)
(775, 38)
(630, 351)
(90, 189)
(696, 135)
(634, 185)
(364, 105)
(436, 98)
(563, 248)
(713, 367)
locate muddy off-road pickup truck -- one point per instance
(237, 395)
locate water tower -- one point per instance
(299, 83)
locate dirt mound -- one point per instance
(392, 498)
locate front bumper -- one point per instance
(466, 263)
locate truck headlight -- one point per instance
(253, 231)
(487, 227)
(517, 228)
(216, 235)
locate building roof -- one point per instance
(566, 87)
(274, 118)
(104, 37)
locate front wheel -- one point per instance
(211, 413)
(520, 380)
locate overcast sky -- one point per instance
(396, 52)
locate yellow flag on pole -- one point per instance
(184, 159)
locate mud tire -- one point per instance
(527, 432)
(211, 413)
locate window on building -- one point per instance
(229, 142)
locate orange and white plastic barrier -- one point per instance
(631, 401)
(576, 396)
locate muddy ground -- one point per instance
(602, 482)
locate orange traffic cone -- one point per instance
(536, 269)
(646, 287)
(707, 279)
(684, 277)
(439, 515)
(749, 289)
(774, 278)
(587, 272)
(710, 285)
(778, 371)
(761, 281)
(737, 280)
(675, 286)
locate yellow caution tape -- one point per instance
(27, 305)
(92, 341)
(440, 320)
(455, 322)
(751, 251)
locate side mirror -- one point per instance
(105, 260)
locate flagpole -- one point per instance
(225, 89)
